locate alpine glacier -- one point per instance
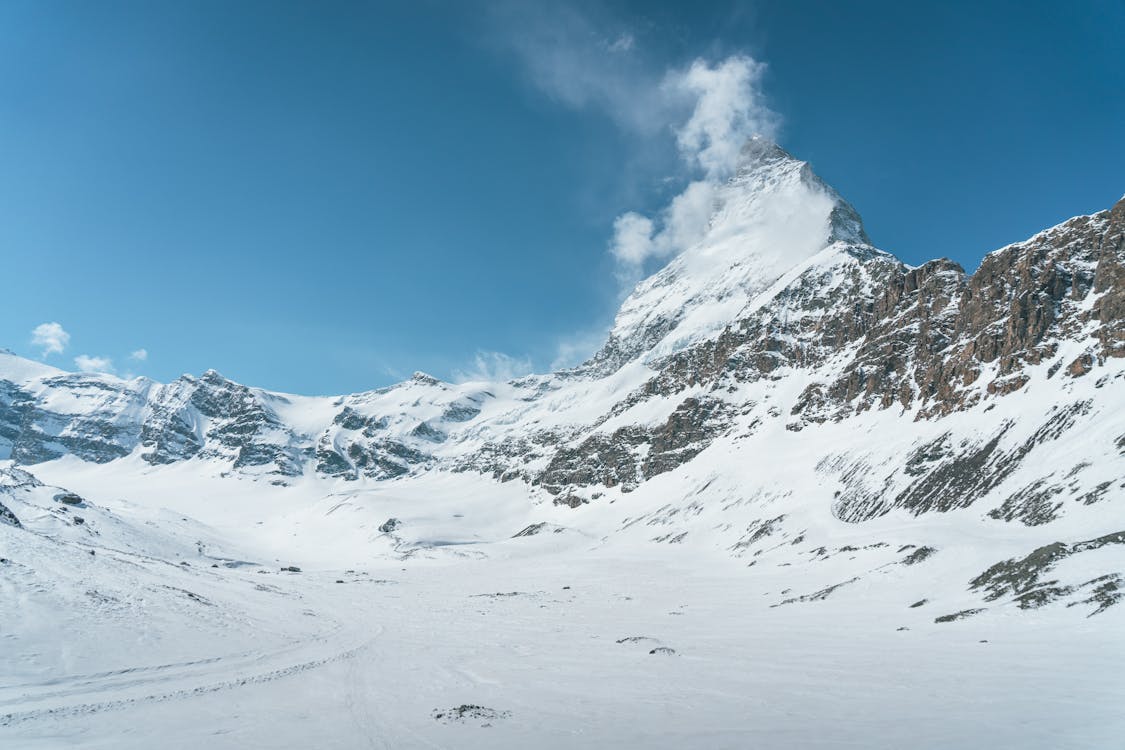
(805, 495)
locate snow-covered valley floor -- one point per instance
(539, 641)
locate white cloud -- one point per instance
(683, 222)
(583, 62)
(728, 109)
(574, 350)
(711, 108)
(87, 363)
(139, 356)
(50, 337)
(623, 43)
(394, 373)
(494, 367)
(632, 238)
(688, 215)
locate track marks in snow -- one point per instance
(230, 673)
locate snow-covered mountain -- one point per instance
(782, 395)
(784, 295)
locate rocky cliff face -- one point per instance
(212, 417)
(858, 330)
(100, 418)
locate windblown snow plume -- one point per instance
(726, 109)
(708, 109)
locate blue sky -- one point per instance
(322, 198)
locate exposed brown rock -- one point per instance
(1080, 366)
(918, 340)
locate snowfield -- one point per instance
(144, 627)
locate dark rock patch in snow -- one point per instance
(816, 595)
(918, 555)
(1021, 578)
(1032, 505)
(191, 595)
(959, 615)
(69, 498)
(8, 517)
(469, 712)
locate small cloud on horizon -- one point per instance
(394, 372)
(88, 363)
(494, 367)
(573, 350)
(622, 43)
(51, 338)
(140, 355)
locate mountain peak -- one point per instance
(424, 378)
(760, 151)
(774, 214)
(763, 165)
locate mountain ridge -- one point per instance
(956, 375)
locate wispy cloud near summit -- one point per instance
(493, 367)
(88, 363)
(584, 63)
(727, 108)
(706, 109)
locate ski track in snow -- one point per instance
(71, 695)
(109, 705)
